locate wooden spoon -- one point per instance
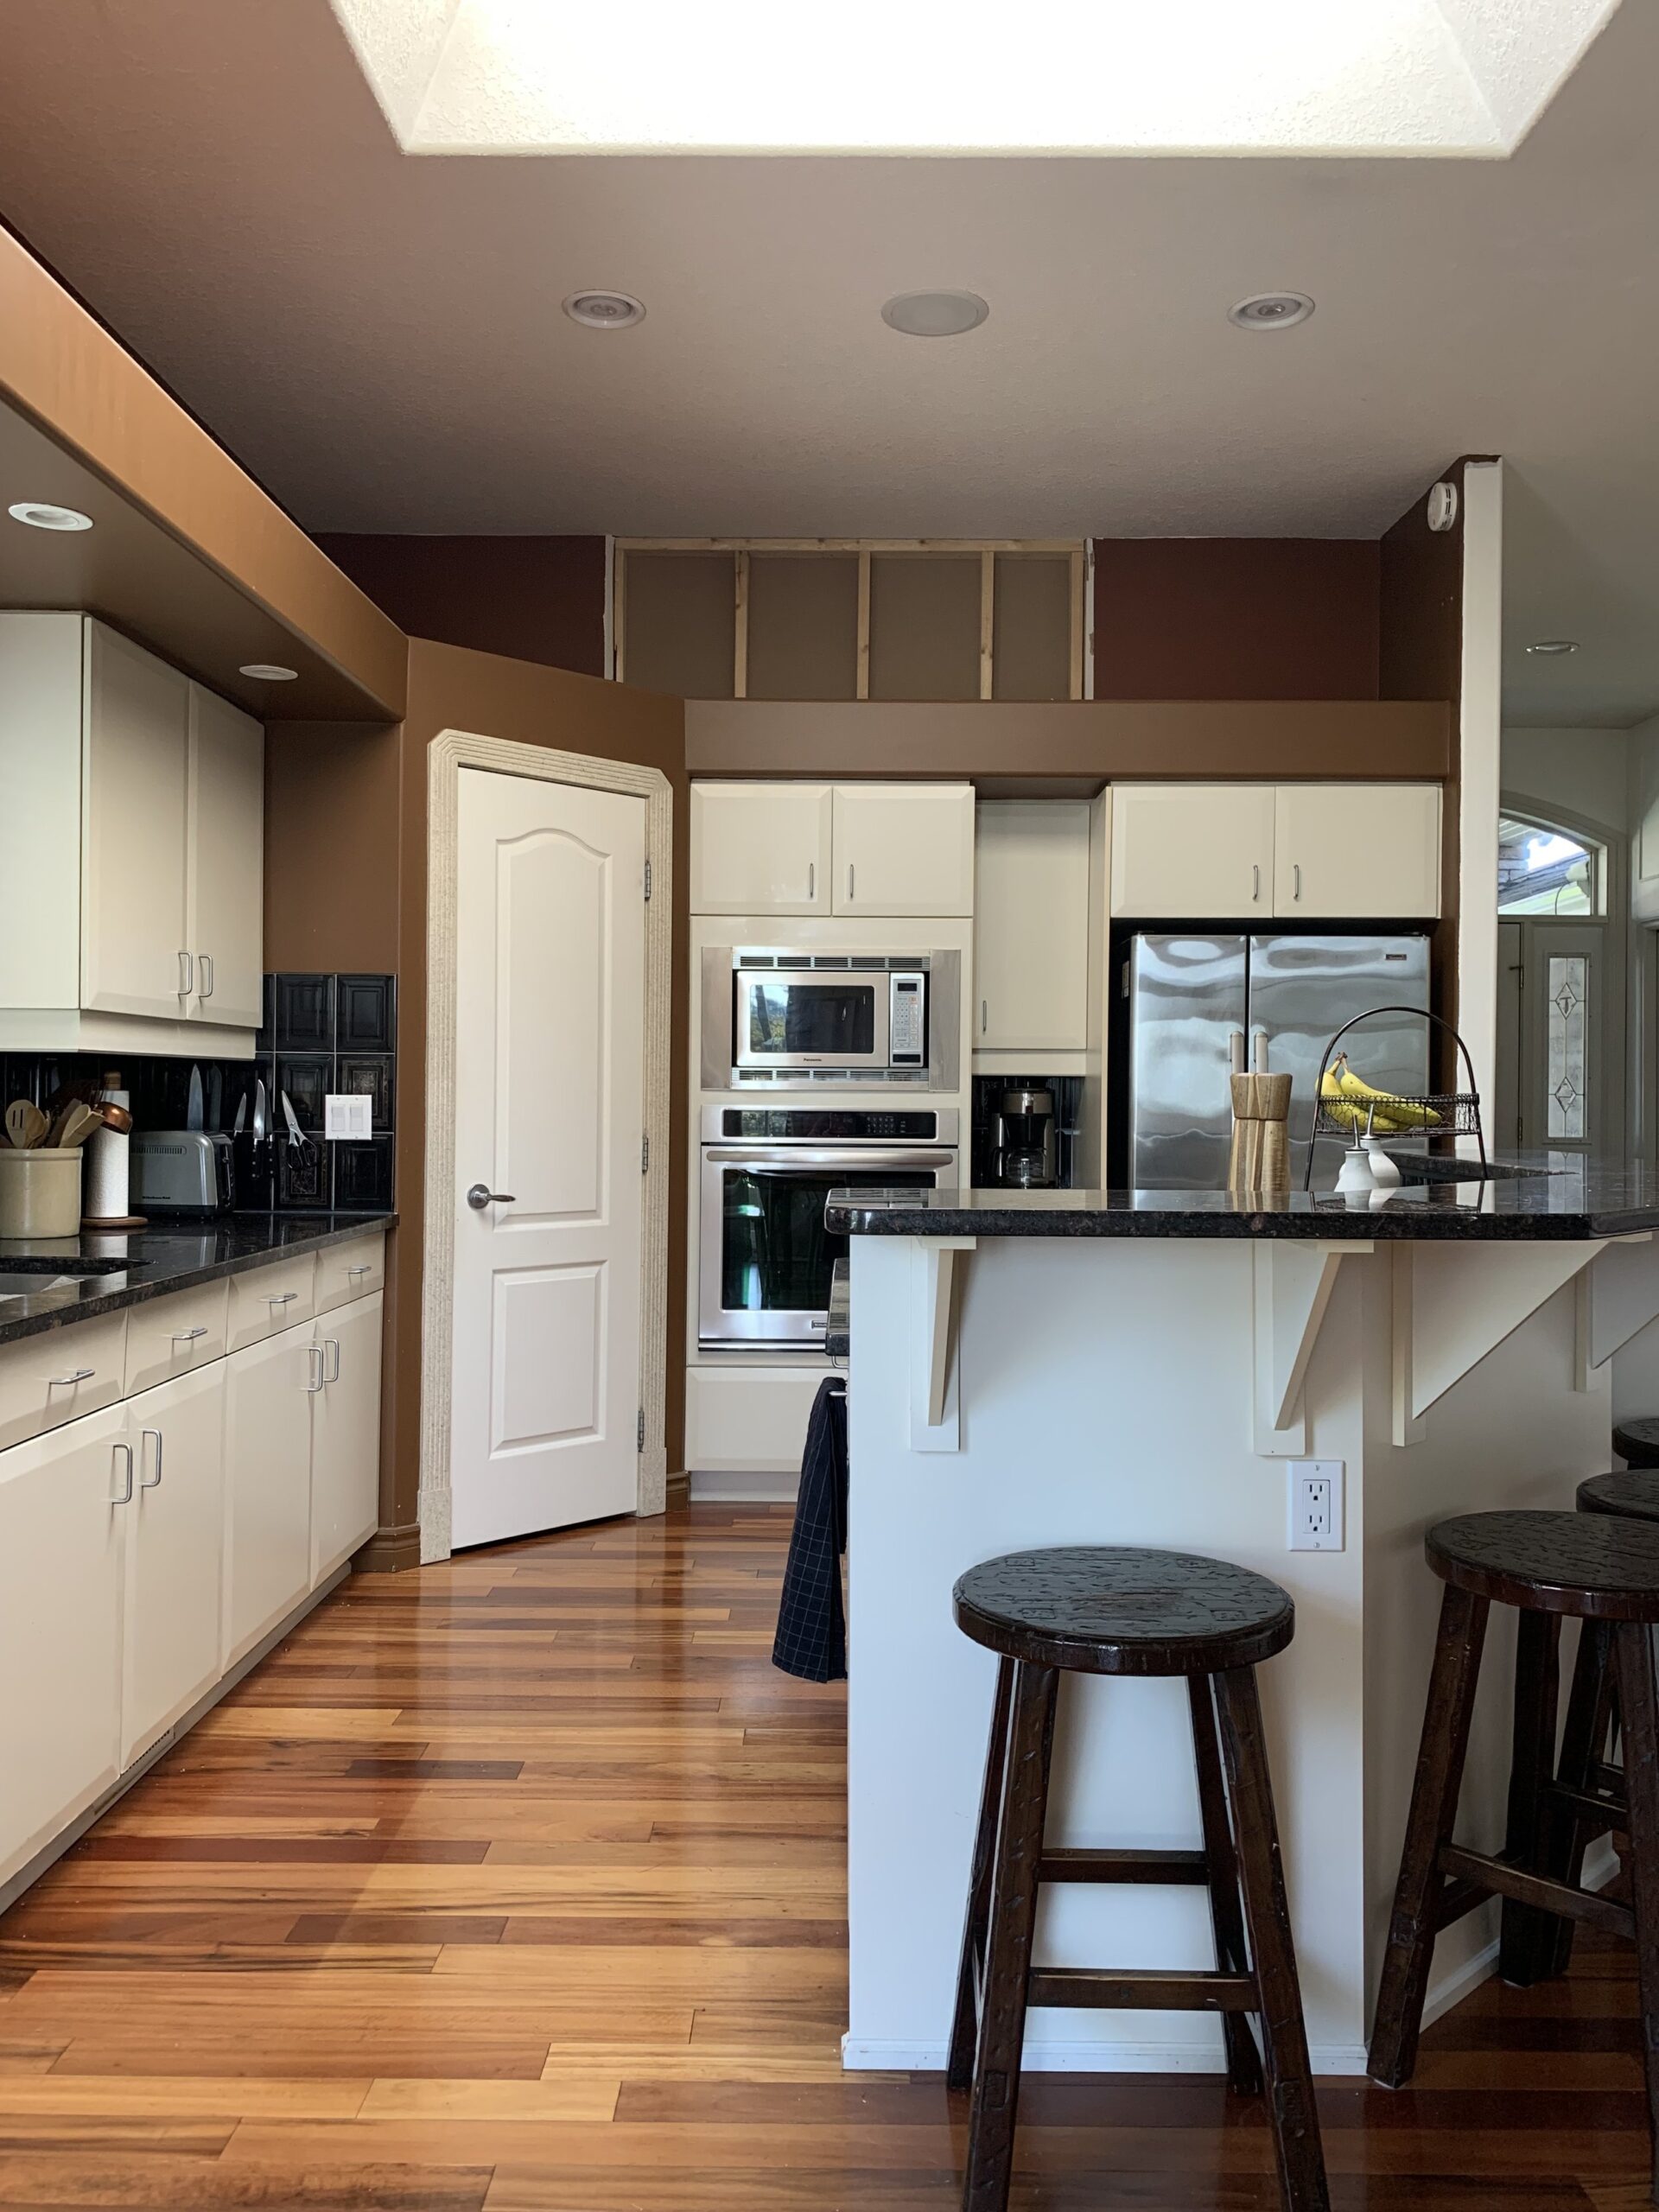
(26, 1125)
(75, 1125)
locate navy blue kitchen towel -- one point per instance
(811, 1639)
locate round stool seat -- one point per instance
(1097, 1608)
(1636, 1442)
(1634, 1497)
(1591, 1566)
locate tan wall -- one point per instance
(331, 845)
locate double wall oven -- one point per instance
(765, 1256)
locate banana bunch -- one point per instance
(1353, 1104)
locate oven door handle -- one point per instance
(923, 1156)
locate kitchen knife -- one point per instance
(261, 1121)
(216, 1098)
(241, 1121)
(296, 1134)
(192, 1112)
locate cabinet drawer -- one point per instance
(171, 1336)
(57, 1377)
(348, 1271)
(269, 1299)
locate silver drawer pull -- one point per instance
(147, 1482)
(68, 1382)
(282, 1298)
(187, 973)
(366, 1269)
(205, 961)
(331, 1344)
(313, 1355)
(189, 1336)
(125, 1497)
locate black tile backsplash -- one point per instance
(321, 1033)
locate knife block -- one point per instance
(1260, 1160)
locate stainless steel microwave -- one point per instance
(773, 1016)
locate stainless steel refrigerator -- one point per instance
(1190, 997)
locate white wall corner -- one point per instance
(1481, 750)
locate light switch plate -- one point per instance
(347, 1116)
(1316, 1504)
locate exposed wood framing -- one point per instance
(986, 625)
(861, 680)
(1079, 623)
(741, 628)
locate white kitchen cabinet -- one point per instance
(760, 849)
(345, 1435)
(904, 848)
(134, 957)
(1193, 852)
(1356, 851)
(63, 1531)
(224, 876)
(176, 1545)
(1031, 925)
(269, 1389)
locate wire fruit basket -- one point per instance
(1426, 1113)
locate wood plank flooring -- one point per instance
(518, 1884)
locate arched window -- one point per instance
(1542, 869)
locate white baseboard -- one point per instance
(767, 1488)
(1079, 2057)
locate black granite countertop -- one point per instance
(838, 1336)
(1546, 1196)
(113, 1269)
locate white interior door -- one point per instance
(549, 1120)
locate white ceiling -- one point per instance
(378, 336)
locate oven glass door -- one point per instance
(810, 1019)
(766, 1256)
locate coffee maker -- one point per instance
(1024, 1158)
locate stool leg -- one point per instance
(1226, 1914)
(1638, 1706)
(1440, 1754)
(959, 2070)
(1293, 2113)
(1528, 1934)
(1583, 1747)
(1008, 1955)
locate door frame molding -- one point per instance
(450, 752)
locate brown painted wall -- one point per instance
(1235, 618)
(537, 599)
(331, 845)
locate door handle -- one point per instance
(1256, 881)
(125, 1497)
(313, 1360)
(331, 1344)
(812, 878)
(145, 1482)
(849, 879)
(480, 1196)
(1296, 879)
(187, 973)
(205, 961)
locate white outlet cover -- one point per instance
(347, 1116)
(1308, 1531)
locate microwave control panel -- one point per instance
(908, 1022)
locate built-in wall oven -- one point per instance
(776, 1017)
(766, 1257)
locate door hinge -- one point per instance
(639, 1432)
(645, 1155)
(647, 882)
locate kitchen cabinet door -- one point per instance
(1031, 925)
(175, 1547)
(1346, 852)
(63, 1530)
(225, 925)
(904, 848)
(1193, 852)
(134, 753)
(345, 1435)
(760, 849)
(269, 1387)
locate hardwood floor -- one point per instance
(518, 1883)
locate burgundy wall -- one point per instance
(535, 599)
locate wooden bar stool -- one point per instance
(1597, 1567)
(1636, 1442)
(1095, 1610)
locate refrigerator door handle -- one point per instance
(1236, 1052)
(1259, 1052)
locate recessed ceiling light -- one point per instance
(935, 315)
(268, 672)
(1552, 645)
(38, 514)
(1271, 311)
(605, 311)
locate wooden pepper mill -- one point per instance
(1261, 1154)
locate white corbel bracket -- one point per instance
(1292, 1286)
(936, 1267)
(1618, 1295)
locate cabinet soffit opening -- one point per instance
(1439, 77)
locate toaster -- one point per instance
(180, 1170)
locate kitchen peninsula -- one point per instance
(1146, 1367)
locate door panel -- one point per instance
(175, 1547)
(904, 848)
(759, 848)
(1030, 924)
(135, 749)
(226, 908)
(1357, 850)
(1186, 1007)
(1193, 852)
(549, 1111)
(345, 1435)
(1566, 1069)
(269, 1391)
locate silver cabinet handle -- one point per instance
(281, 1297)
(68, 1382)
(362, 1268)
(125, 1497)
(314, 1356)
(1256, 881)
(204, 960)
(144, 1481)
(187, 973)
(849, 879)
(812, 878)
(331, 1344)
(1296, 879)
(189, 1336)
(984, 1016)
(480, 1196)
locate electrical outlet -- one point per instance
(1316, 1504)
